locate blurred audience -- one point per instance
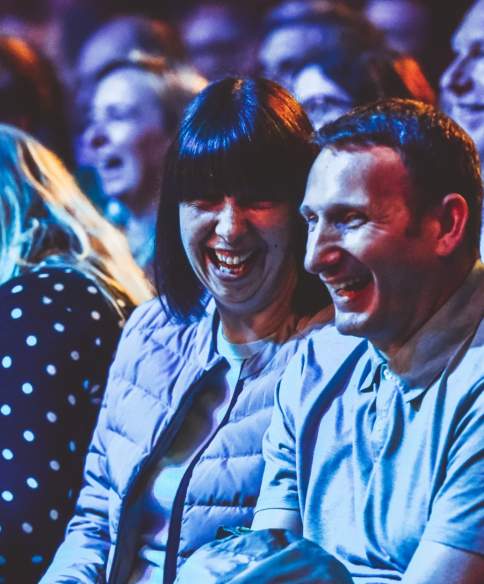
(220, 37)
(405, 24)
(113, 40)
(297, 31)
(67, 282)
(135, 109)
(31, 96)
(337, 80)
(462, 84)
(117, 37)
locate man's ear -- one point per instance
(453, 213)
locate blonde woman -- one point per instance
(67, 283)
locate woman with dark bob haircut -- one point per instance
(177, 450)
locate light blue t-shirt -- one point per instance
(378, 455)
(202, 420)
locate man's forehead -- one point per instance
(340, 174)
(353, 161)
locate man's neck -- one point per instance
(445, 287)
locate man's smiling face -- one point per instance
(363, 241)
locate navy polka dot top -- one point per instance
(58, 333)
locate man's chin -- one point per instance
(352, 324)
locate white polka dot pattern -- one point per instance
(58, 336)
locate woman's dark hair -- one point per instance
(245, 137)
(31, 96)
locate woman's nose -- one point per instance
(95, 136)
(231, 221)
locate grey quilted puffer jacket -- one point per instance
(157, 369)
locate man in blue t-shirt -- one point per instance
(375, 447)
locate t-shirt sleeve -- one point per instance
(457, 517)
(279, 484)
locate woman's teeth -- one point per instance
(231, 263)
(231, 260)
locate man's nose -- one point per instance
(456, 77)
(231, 223)
(323, 254)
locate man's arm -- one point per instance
(436, 563)
(452, 547)
(278, 504)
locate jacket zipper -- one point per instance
(163, 443)
(173, 540)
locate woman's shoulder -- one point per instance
(154, 328)
(46, 277)
(53, 290)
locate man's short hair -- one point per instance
(439, 155)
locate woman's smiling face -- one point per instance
(239, 250)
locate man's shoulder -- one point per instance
(466, 368)
(327, 339)
(325, 347)
(324, 355)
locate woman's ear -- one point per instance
(453, 213)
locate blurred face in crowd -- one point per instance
(463, 82)
(239, 250)
(405, 23)
(284, 50)
(377, 261)
(322, 99)
(216, 41)
(125, 138)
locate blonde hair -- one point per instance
(45, 219)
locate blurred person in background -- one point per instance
(221, 37)
(67, 283)
(177, 449)
(118, 36)
(31, 96)
(462, 84)
(136, 106)
(335, 81)
(112, 41)
(418, 28)
(406, 24)
(296, 31)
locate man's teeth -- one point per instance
(232, 260)
(349, 285)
